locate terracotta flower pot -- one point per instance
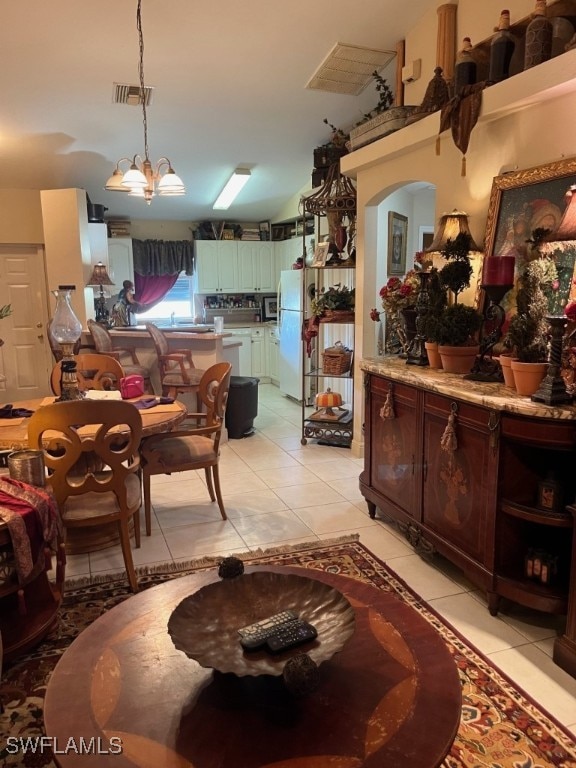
(527, 376)
(458, 359)
(434, 358)
(506, 365)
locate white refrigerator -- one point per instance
(291, 323)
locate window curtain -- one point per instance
(163, 257)
(157, 264)
(151, 289)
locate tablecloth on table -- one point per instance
(33, 521)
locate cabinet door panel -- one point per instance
(459, 485)
(393, 446)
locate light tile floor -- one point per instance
(277, 491)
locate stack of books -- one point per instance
(118, 227)
(250, 233)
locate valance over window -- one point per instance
(163, 257)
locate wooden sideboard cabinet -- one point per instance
(480, 475)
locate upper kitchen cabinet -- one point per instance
(120, 261)
(256, 267)
(217, 266)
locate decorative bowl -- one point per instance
(205, 624)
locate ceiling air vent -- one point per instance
(348, 69)
(130, 94)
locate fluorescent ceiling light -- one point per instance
(232, 188)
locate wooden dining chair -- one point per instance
(91, 455)
(92, 371)
(196, 442)
(178, 373)
(127, 357)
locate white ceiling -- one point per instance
(229, 90)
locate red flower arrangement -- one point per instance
(374, 315)
(398, 294)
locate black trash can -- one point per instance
(242, 406)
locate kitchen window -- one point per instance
(179, 300)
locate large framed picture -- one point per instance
(397, 243)
(523, 206)
(524, 201)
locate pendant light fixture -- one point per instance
(142, 179)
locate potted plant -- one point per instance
(334, 304)
(435, 306)
(381, 120)
(527, 330)
(458, 324)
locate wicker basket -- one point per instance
(336, 360)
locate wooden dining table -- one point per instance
(160, 418)
(163, 417)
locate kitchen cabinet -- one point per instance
(461, 472)
(259, 367)
(256, 267)
(216, 266)
(120, 261)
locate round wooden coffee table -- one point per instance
(391, 697)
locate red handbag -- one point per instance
(131, 386)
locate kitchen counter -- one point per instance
(207, 348)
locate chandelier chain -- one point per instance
(141, 74)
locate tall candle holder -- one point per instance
(552, 390)
(416, 354)
(486, 368)
(66, 330)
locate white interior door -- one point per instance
(25, 358)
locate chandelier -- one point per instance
(142, 178)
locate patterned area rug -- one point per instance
(501, 727)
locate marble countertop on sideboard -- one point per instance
(486, 394)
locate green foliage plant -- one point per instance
(458, 326)
(437, 303)
(455, 275)
(337, 296)
(527, 331)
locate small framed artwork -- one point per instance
(397, 243)
(550, 494)
(270, 308)
(320, 255)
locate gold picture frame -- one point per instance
(397, 243)
(521, 201)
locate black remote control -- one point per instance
(254, 636)
(287, 637)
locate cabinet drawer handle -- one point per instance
(494, 428)
(449, 441)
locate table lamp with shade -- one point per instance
(99, 278)
(66, 329)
